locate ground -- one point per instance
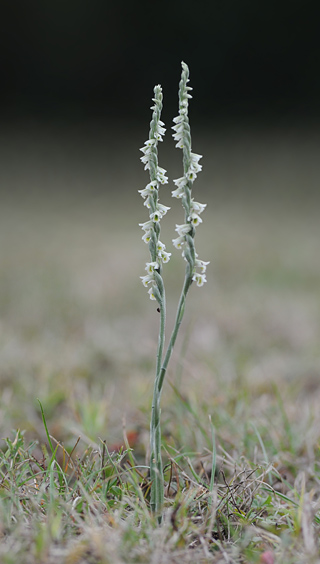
(79, 333)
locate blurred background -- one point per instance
(77, 80)
(75, 60)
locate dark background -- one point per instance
(81, 59)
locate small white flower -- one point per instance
(202, 265)
(177, 193)
(148, 145)
(178, 128)
(146, 237)
(155, 216)
(191, 175)
(151, 266)
(197, 207)
(162, 209)
(160, 246)
(145, 150)
(145, 160)
(159, 212)
(152, 186)
(178, 136)
(160, 130)
(147, 225)
(180, 182)
(165, 257)
(146, 279)
(195, 219)
(150, 142)
(179, 145)
(149, 189)
(200, 279)
(151, 294)
(195, 167)
(183, 229)
(161, 177)
(178, 242)
(144, 193)
(195, 158)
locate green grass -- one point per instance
(240, 415)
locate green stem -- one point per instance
(179, 317)
(156, 471)
(161, 338)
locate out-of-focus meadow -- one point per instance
(77, 329)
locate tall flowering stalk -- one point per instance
(195, 268)
(158, 256)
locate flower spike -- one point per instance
(150, 194)
(191, 168)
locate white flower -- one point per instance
(147, 151)
(195, 158)
(146, 279)
(195, 219)
(149, 189)
(202, 265)
(160, 246)
(151, 266)
(165, 257)
(148, 145)
(191, 175)
(183, 229)
(178, 128)
(177, 193)
(195, 167)
(144, 193)
(200, 279)
(159, 212)
(162, 209)
(151, 294)
(179, 138)
(181, 184)
(178, 242)
(197, 207)
(146, 237)
(147, 225)
(160, 130)
(161, 177)
(155, 216)
(145, 160)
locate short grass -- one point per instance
(240, 410)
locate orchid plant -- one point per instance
(195, 268)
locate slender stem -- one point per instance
(161, 338)
(179, 317)
(156, 471)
